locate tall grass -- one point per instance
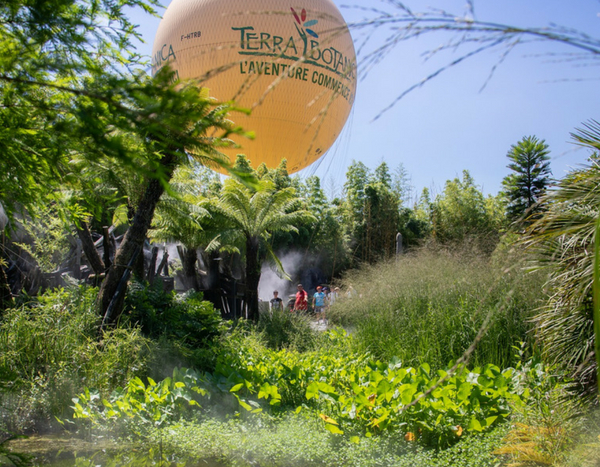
(49, 351)
(429, 306)
(282, 329)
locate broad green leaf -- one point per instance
(490, 420)
(333, 429)
(464, 391)
(475, 425)
(312, 390)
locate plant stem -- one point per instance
(596, 292)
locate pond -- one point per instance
(67, 451)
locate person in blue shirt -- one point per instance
(319, 304)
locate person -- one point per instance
(334, 295)
(276, 302)
(319, 304)
(301, 303)
(290, 302)
(327, 292)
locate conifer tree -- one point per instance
(529, 178)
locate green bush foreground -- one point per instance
(264, 396)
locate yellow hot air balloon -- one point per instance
(291, 62)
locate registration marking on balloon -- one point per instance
(293, 64)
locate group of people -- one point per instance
(321, 301)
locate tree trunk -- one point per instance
(189, 258)
(152, 267)
(163, 267)
(139, 267)
(212, 262)
(87, 243)
(77, 260)
(6, 297)
(252, 277)
(107, 245)
(133, 241)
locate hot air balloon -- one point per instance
(291, 62)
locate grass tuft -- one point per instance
(429, 306)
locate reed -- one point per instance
(429, 306)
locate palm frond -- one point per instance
(563, 240)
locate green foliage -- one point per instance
(14, 458)
(298, 440)
(250, 215)
(73, 87)
(371, 212)
(199, 321)
(415, 226)
(49, 350)
(432, 304)
(562, 240)
(50, 48)
(282, 329)
(351, 395)
(256, 212)
(181, 214)
(389, 397)
(585, 445)
(138, 406)
(323, 237)
(357, 395)
(523, 188)
(47, 238)
(461, 213)
(185, 325)
(544, 428)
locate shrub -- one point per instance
(185, 317)
(49, 350)
(283, 329)
(546, 427)
(185, 326)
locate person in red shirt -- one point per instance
(301, 303)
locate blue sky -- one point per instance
(450, 124)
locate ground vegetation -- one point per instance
(472, 347)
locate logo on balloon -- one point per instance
(305, 25)
(267, 44)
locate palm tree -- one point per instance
(564, 238)
(183, 125)
(252, 214)
(182, 216)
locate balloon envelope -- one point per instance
(291, 62)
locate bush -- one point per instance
(49, 350)
(184, 326)
(283, 329)
(185, 317)
(546, 427)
